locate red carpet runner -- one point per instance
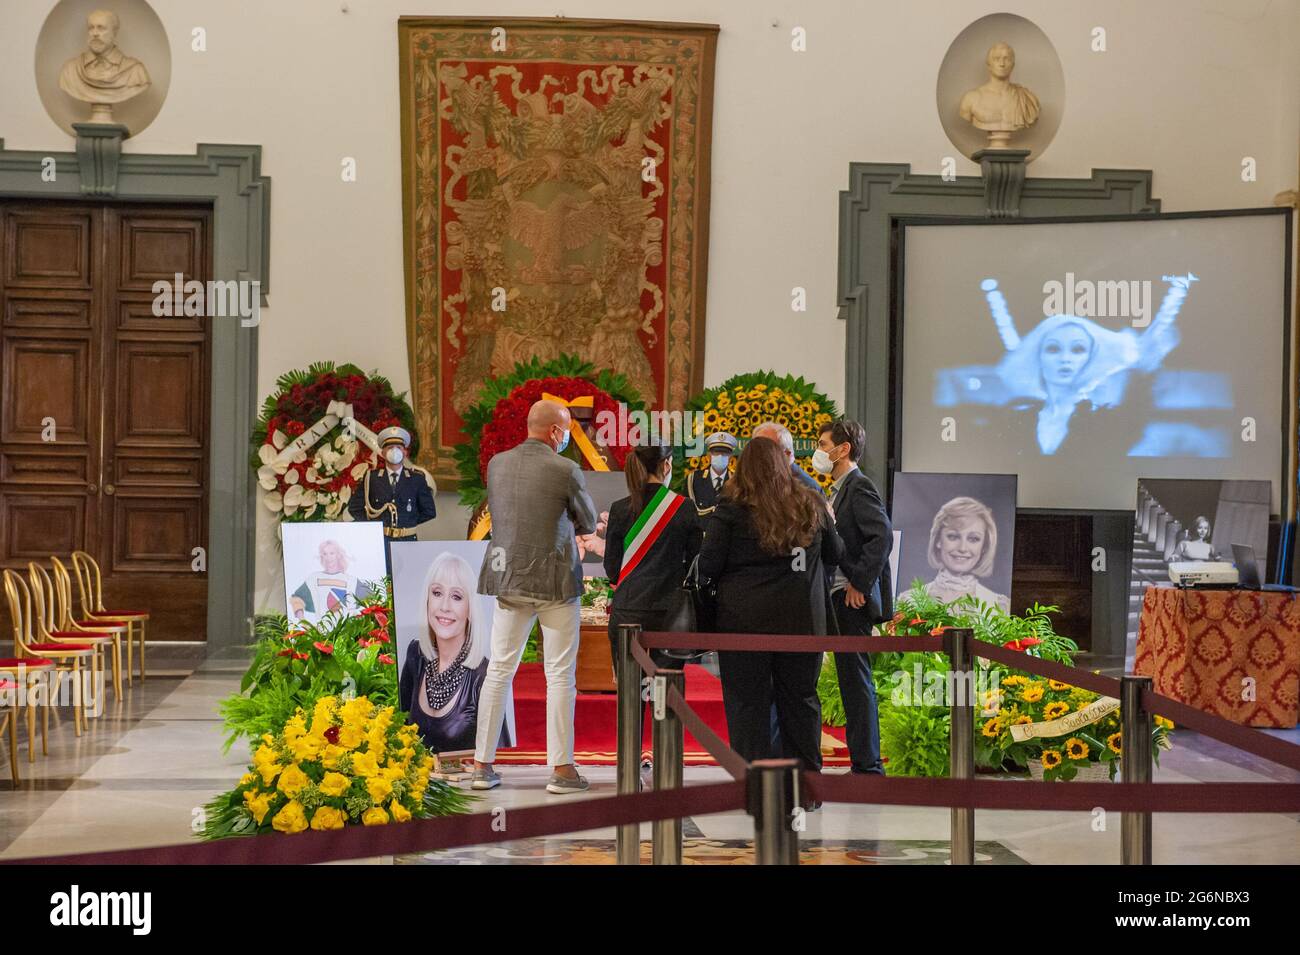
(595, 722)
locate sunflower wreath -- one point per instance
(315, 482)
(498, 420)
(742, 402)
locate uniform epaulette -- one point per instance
(416, 469)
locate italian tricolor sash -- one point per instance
(659, 510)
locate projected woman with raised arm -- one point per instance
(1067, 360)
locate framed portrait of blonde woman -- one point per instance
(956, 535)
(443, 632)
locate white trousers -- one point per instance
(511, 624)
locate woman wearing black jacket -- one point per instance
(646, 568)
(768, 546)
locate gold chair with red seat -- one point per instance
(90, 590)
(33, 674)
(9, 720)
(45, 617)
(66, 657)
(66, 622)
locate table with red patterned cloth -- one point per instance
(1202, 647)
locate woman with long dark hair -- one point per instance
(652, 536)
(768, 546)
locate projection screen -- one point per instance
(1082, 355)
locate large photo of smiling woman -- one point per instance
(443, 629)
(956, 535)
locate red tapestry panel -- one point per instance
(556, 201)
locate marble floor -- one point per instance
(141, 774)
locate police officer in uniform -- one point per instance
(399, 494)
(704, 487)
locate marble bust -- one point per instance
(102, 74)
(1000, 106)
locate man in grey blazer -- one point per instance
(539, 504)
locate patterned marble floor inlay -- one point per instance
(702, 851)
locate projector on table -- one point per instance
(1203, 573)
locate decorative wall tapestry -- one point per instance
(555, 200)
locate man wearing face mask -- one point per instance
(540, 506)
(399, 494)
(704, 488)
(862, 592)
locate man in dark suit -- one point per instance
(704, 487)
(399, 494)
(862, 592)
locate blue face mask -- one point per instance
(719, 462)
(563, 444)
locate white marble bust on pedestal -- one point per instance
(1000, 106)
(102, 74)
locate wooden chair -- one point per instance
(67, 623)
(34, 675)
(66, 657)
(9, 720)
(46, 616)
(89, 589)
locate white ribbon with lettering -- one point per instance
(1077, 720)
(361, 433)
(335, 412)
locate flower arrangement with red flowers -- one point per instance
(498, 421)
(294, 664)
(316, 484)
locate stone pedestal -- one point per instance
(99, 148)
(1004, 178)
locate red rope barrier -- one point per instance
(1075, 676)
(1225, 731)
(724, 755)
(1032, 795)
(443, 832)
(788, 643)
(642, 658)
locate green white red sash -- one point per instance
(659, 510)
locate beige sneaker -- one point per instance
(560, 785)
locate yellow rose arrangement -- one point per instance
(348, 762)
(743, 402)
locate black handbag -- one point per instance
(694, 609)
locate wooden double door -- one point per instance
(104, 416)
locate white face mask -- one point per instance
(821, 462)
(719, 462)
(394, 456)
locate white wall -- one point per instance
(1187, 88)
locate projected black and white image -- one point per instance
(1068, 362)
(955, 535)
(1083, 355)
